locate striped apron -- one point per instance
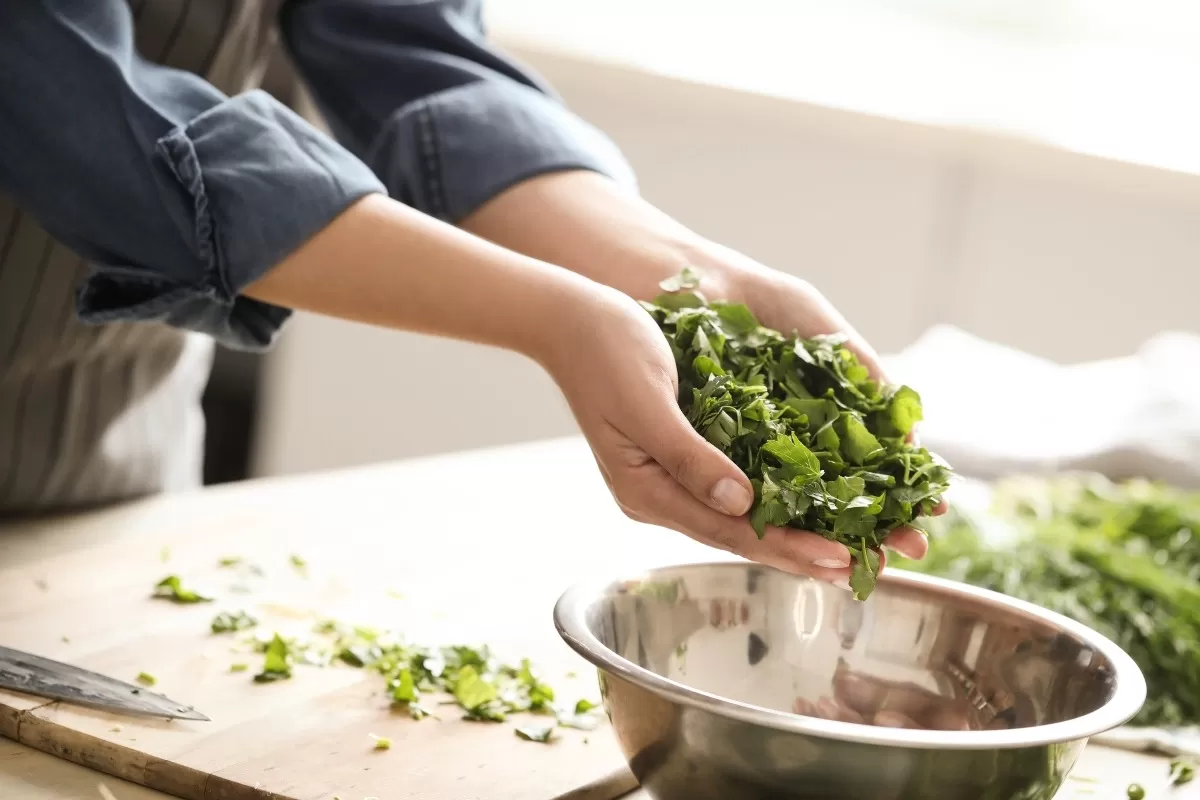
(94, 414)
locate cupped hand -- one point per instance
(618, 375)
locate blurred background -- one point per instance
(1025, 170)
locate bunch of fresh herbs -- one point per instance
(826, 447)
(1121, 558)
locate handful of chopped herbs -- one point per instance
(825, 446)
(1121, 558)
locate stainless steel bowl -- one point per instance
(731, 680)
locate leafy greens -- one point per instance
(1121, 558)
(824, 445)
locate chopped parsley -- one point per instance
(825, 446)
(172, 588)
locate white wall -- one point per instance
(1066, 255)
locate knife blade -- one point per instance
(42, 677)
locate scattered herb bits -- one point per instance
(172, 588)
(146, 679)
(381, 742)
(825, 446)
(484, 688)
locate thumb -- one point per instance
(702, 469)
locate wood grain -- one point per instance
(478, 546)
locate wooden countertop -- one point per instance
(537, 513)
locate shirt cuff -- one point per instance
(451, 152)
(252, 181)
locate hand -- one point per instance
(617, 373)
(659, 470)
(789, 304)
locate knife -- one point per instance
(30, 674)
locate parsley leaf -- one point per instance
(172, 588)
(278, 662)
(1182, 772)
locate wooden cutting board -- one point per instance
(458, 550)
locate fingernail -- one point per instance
(831, 563)
(843, 583)
(731, 497)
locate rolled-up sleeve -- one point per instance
(179, 196)
(414, 88)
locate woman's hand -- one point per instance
(658, 468)
(616, 371)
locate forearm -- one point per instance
(382, 263)
(587, 223)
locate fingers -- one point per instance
(908, 542)
(652, 495)
(704, 471)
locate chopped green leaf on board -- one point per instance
(172, 588)
(277, 664)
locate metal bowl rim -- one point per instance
(1127, 699)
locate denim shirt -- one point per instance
(174, 193)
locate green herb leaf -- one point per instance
(865, 573)
(171, 588)
(688, 278)
(472, 691)
(736, 318)
(278, 662)
(381, 742)
(1182, 772)
(904, 410)
(797, 460)
(146, 679)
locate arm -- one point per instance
(458, 131)
(444, 119)
(178, 195)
